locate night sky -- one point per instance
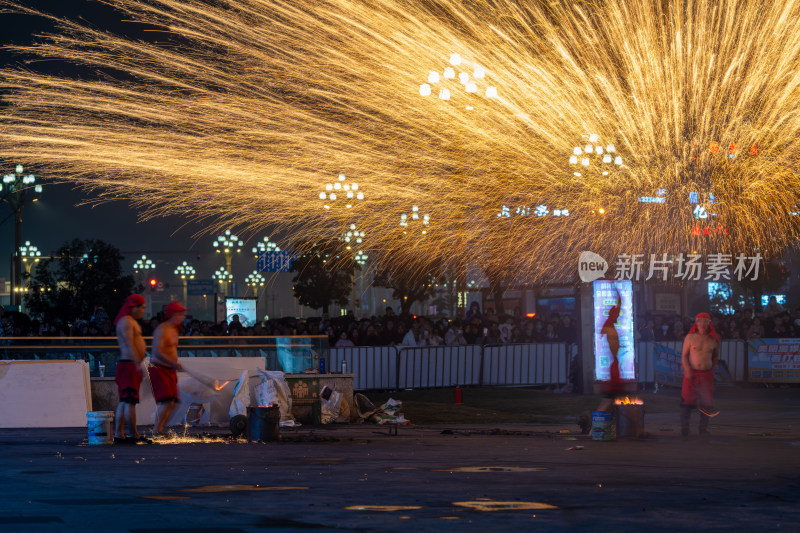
(56, 218)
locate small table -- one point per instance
(305, 389)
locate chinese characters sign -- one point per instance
(773, 360)
(688, 267)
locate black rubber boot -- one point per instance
(686, 415)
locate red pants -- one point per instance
(165, 383)
(699, 390)
(128, 377)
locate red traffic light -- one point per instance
(153, 282)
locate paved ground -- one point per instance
(744, 477)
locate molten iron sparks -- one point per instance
(263, 102)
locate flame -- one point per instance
(627, 400)
(217, 386)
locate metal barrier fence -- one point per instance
(388, 367)
(300, 352)
(527, 364)
(376, 367)
(439, 366)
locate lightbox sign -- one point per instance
(244, 307)
(606, 294)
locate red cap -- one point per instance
(131, 301)
(173, 308)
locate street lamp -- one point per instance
(142, 267)
(265, 246)
(186, 272)
(223, 277)
(30, 254)
(227, 244)
(18, 191)
(450, 85)
(593, 157)
(604, 157)
(343, 193)
(415, 219)
(353, 236)
(255, 280)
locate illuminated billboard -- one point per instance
(244, 307)
(606, 295)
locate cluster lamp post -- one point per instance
(186, 272)
(18, 190)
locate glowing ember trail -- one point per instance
(244, 109)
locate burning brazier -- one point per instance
(630, 417)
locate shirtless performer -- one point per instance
(164, 364)
(700, 355)
(129, 371)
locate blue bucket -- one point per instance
(604, 426)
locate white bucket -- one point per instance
(101, 427)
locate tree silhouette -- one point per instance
(80, 275)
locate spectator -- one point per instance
(235, 327)
(566, 329)
(529, 333)
(773, 307)
(454, 335)
(550, 334)
(471, 334)
(475, 312)
(756, 330)
(414, 335)
(355, 336)
(400, 333)
(372, 338)
(429, 339)
(343, 341)
(493, 335)
(647, 333)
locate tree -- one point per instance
(324, 274)
(500, 278)
(80, 275)
(747, 293)
(409, 282)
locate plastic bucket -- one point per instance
(263, 424)
(101, 427)
(604, 426)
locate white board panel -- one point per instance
(36, 394)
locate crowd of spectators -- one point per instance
(390, 329)
(773, 321)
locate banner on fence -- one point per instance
(667, 366)
(774, 360)
(668, 370)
